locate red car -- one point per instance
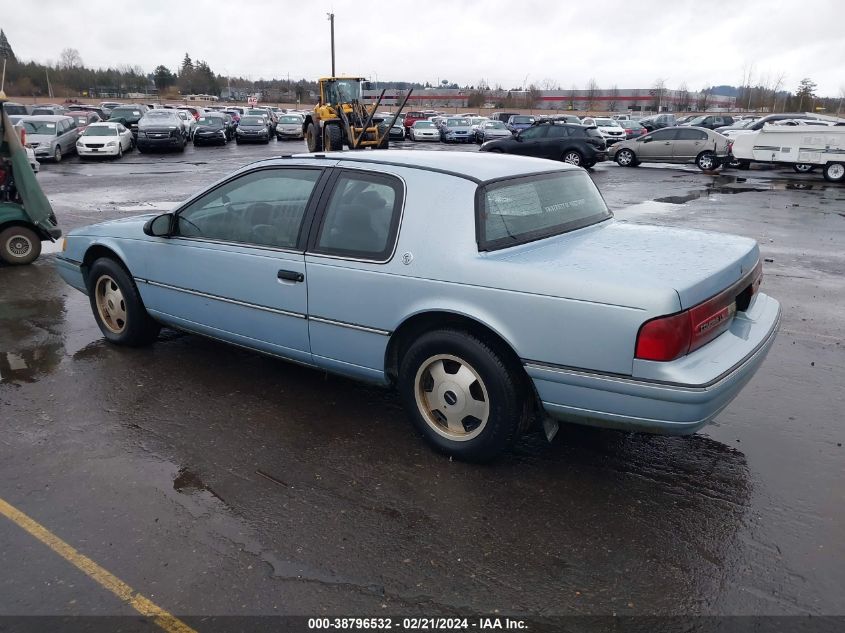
(633, 129)
(413, 117)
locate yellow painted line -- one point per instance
(104, 578)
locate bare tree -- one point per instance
(548, 84)
(572, 92)
(658, 91)
(614, 98)
(778, 86)
(703, 99)
(683, 97)
(70, 58)
(592, 93)
(841, 99)
(745, 90)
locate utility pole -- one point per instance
(331, 19)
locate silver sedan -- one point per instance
(706, 148)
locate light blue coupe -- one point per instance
(492, 291)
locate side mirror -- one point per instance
(160, 226)
(647, 139)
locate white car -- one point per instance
(608, 128)
(189, 123)
(104, 139)
(424, 131)
(289, 126)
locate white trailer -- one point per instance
(803, 147)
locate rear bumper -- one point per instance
(679, 407)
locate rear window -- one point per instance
(14, 109)
(520, 210)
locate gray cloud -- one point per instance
(502, 41)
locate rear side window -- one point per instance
(361, 219)
(594, 132)
(520, 210)
(691, 135)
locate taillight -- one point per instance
(669, 337)
(23, 137)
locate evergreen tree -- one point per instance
(6, 51)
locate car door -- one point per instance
(554, 141)
(529, 142)
(234, 267)
(125, 137)
(352, 242)
(68, 133)
(689, 143)
(656, 146)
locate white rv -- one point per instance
(802, 146)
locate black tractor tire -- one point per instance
(313, 138)
(332, 138)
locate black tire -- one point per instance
(119, 151)
(573, 157)
(57, 155)
(332, 138)
(625, 158)
(803, 168)
(707, 161)
(136, 327)
(834, 172)
(313, 138)
(141, 150)
(19, 245)
(743, 164)
(385, 143)
(497, 388)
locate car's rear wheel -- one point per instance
(313, 138)
(625, 158)
(803, 168)
(834, 172)
(19, 245)
(462, 394)
(573, 157)
(117, 305)
(706, 161)
(57, 155)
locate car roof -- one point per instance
(45, 117)
(478, 167)
(105, 124)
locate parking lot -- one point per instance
(215, 481)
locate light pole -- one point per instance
(331, 19)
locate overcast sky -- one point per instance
(629, 44)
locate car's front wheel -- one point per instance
(57, 155)
(462, 394)
(573, 157)
(803, 168)
(19, 245)
(117, 305)
(625, 158)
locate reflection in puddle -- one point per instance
(727, 185)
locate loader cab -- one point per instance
(337, 90)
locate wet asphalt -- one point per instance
(215, 481)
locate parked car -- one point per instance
(26, 217)
(566, 118)
(412, 117)
(48, 110)
(396, 132)
(503, 116)
(632, 129)
(104, 139)
(514, 313)
(228, 122)
(15, 109)
(86, 108)
(108, 106)
(83, 118)
(710, 121)
(252, 129)
(610, 129)
(423, 130)
(210, 130)
(129, 115)
(290, 126)
(189, 123)
(520, 122)
(657, 121)
(490, 130)
(51, 137)
(195, 111)
(264, 112)
(682, 120)
(456, 130)
(160, 129)
(705, 148)
(579, 145)
(235, 114)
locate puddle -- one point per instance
(726, 185)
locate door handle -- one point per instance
(291, 275)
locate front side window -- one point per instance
(529, 208)
(362, 217)
(534, 133)
(264, 208)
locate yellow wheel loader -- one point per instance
(341, 118)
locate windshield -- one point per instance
(606, 123)
(495, 125)
(423, 124)
(160, 118)
(14, 109)
(343, 91)
(530, 208)
(523, 119)
(47, 128)
(290, 119)
(252, 120)
(210, 121)
(697, 120)
(457, 122)
(80, 120)
(100, 130)
(47, 111)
